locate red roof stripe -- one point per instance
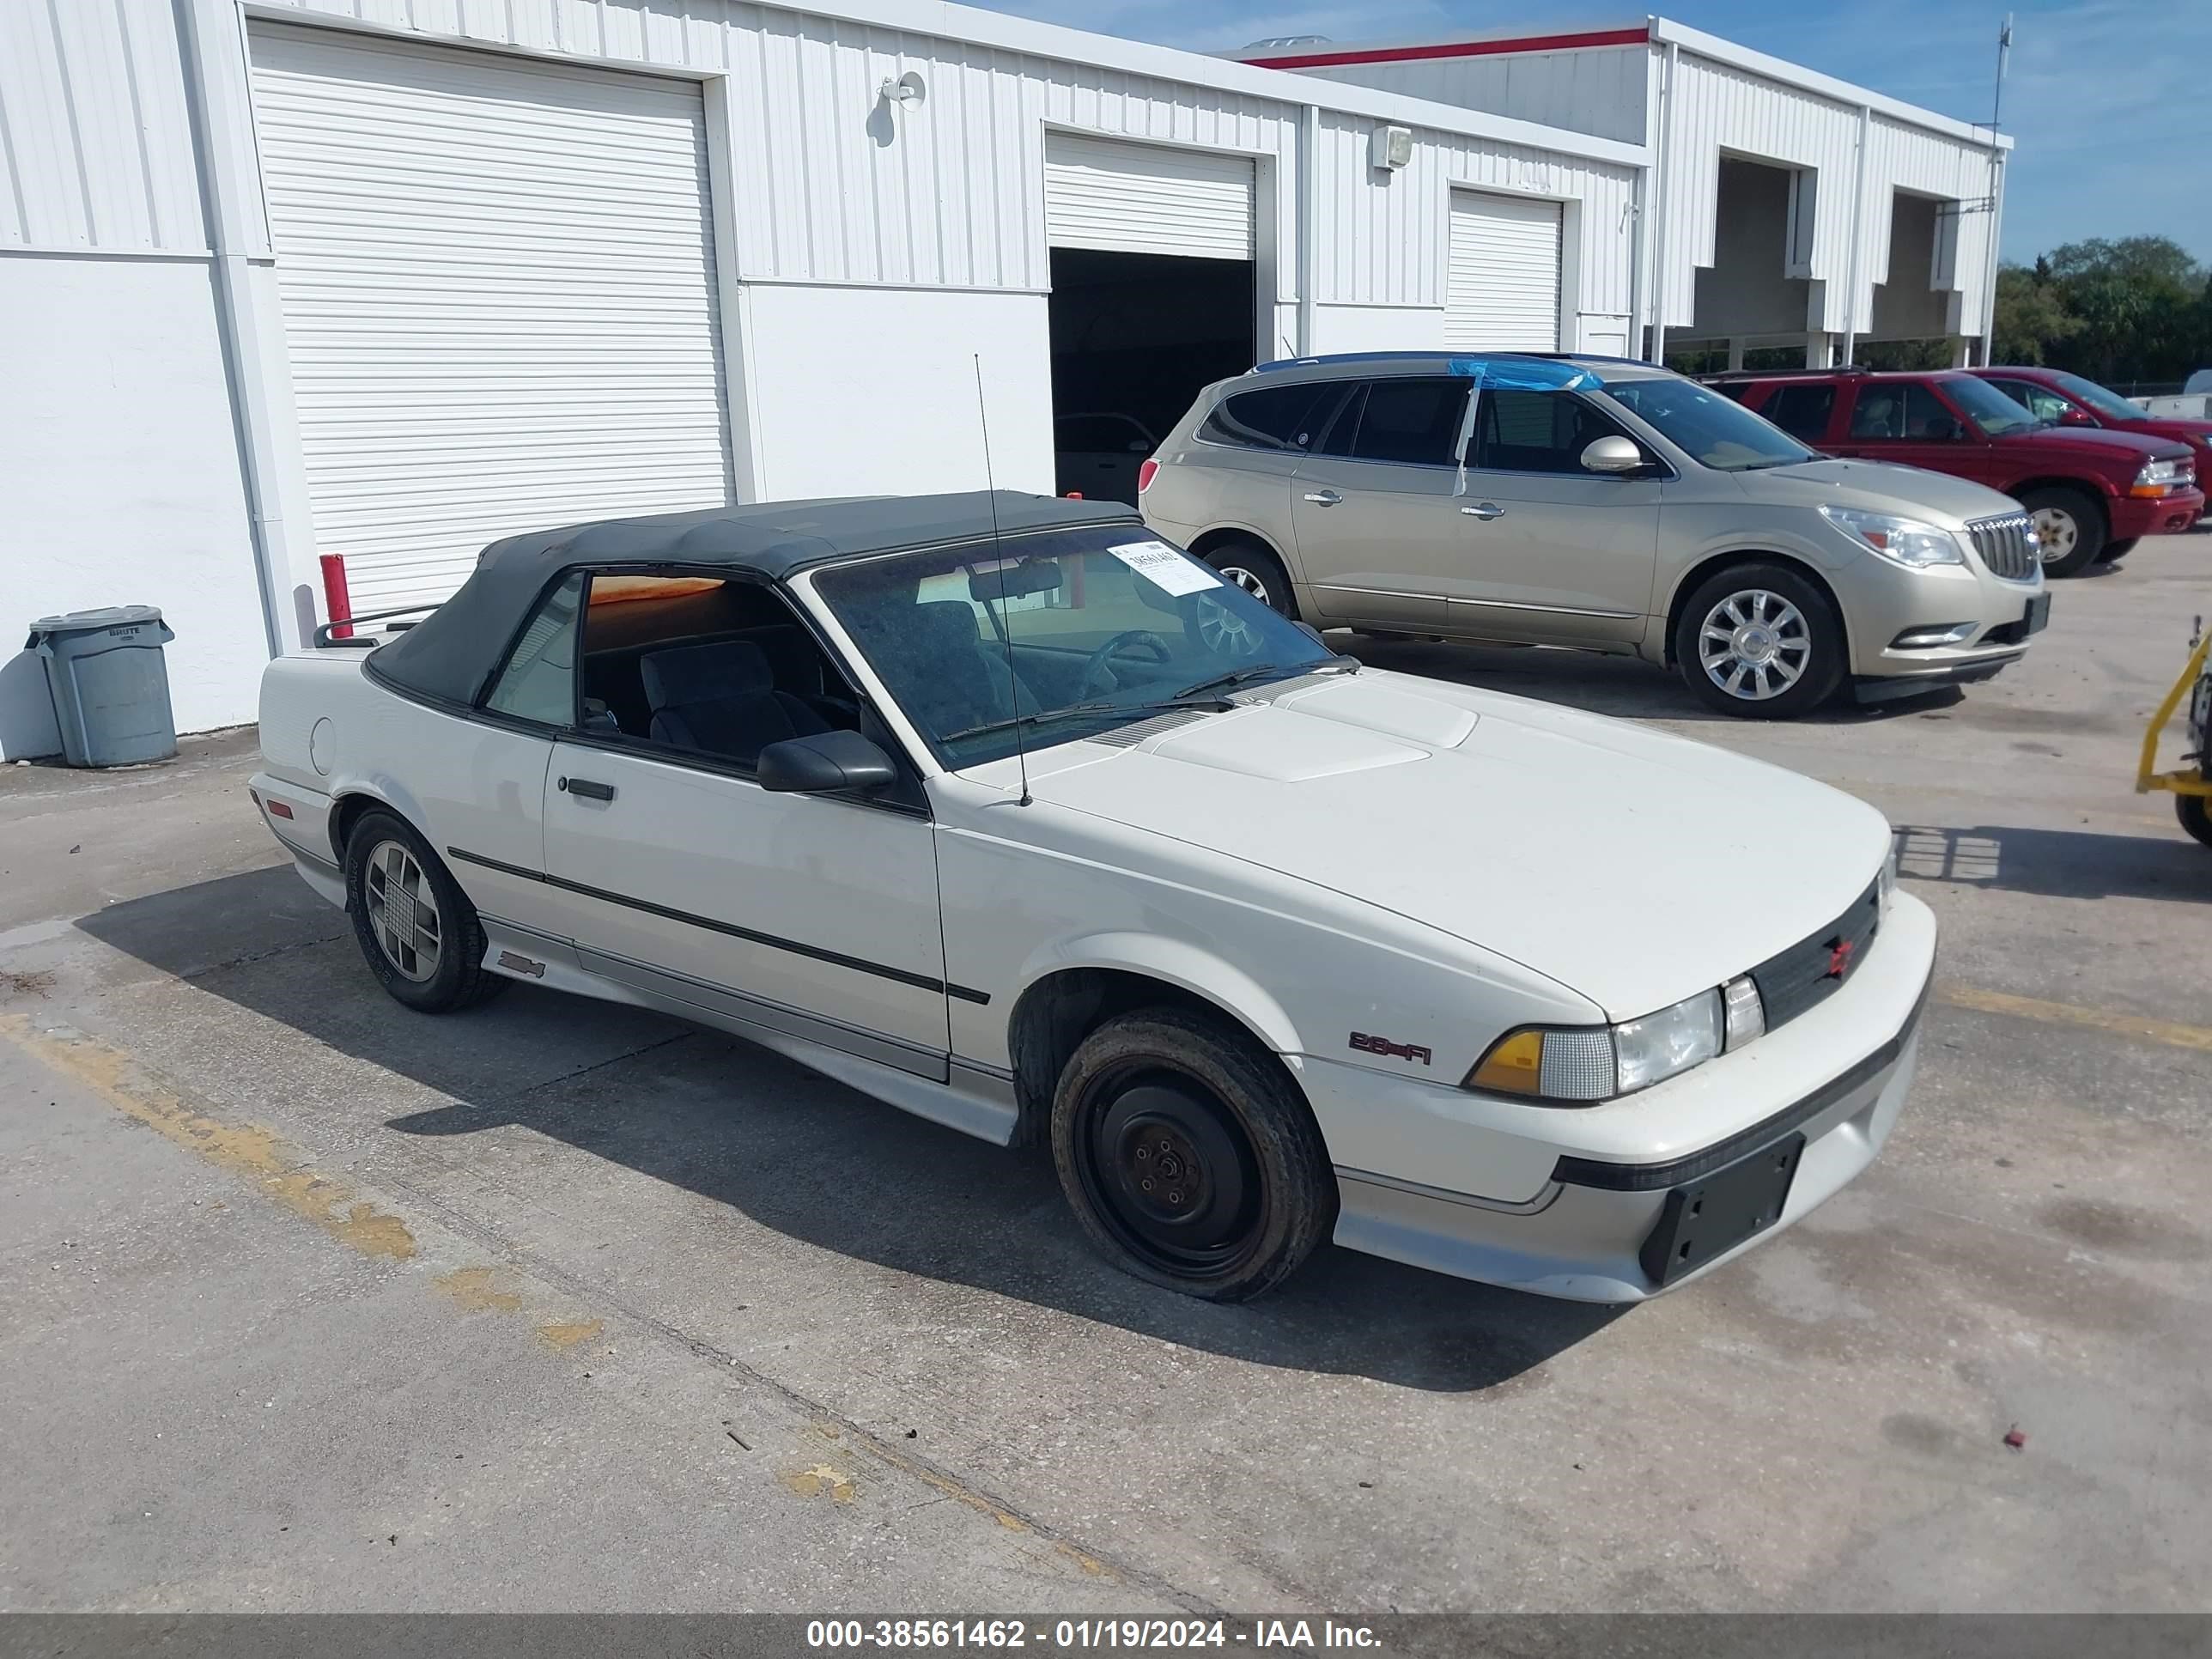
(1635, 37)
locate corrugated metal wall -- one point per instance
(831, 185)
(1600, 90)
(1386, 243)
(1718, 107)
(94, 131)
(1901, 157)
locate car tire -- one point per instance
(2071, 526)
(1162, 1095)
(2113, 552)
(1774, 610)
(419, 933)
(2194, 812)
(1251, 567)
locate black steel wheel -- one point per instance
(1189, 1157)
(417, 930)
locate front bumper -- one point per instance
(1581, 1233)
(1884, 603)
(2166, 515)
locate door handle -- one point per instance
(1485, 511)
(584, 787)
(1324, 497)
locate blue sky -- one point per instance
(2107, 97)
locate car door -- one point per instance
(479, 780)
(1372, 506)
(1545, 550)
(813, 915)
(1907, 422)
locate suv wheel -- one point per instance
(2115, 551)
(2069, 527)
(1189, 1157)
(1251, 567)
(1760, 641)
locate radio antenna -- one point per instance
(998, 557)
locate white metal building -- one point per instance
(1781, 206)
(390, 278)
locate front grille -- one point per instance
(1804, 975)
(2005, 545)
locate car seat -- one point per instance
(721, 699)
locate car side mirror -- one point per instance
(1613, 454)
(825, 764)
(1139, 447)
(2074, 414)
(1944, 429)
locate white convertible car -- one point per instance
(1000, 810)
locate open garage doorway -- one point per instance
(1135, 336)
(1153, 252)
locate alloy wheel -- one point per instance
(403, 911)
(1754, 645)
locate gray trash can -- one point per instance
(110, 684)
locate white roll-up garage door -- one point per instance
(1146, 198)
(498, 286)
(1502, 287)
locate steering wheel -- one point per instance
(1098, 671)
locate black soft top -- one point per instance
(450, 653)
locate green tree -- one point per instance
(2031, 320)
(2138, 306)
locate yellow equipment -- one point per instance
(2190, 784)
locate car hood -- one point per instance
(1876, 487)
(2096, 445)
(2174, 427)
(1631, 866)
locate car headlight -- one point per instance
(1907, 542)
(1580, 1066)
(2164, 477)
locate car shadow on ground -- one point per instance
(1625, 687)
(806, 1157)
(2056, 863)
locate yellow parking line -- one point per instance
(2068, 1013)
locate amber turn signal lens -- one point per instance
(1512, 1068)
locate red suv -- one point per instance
(2063, 399)
(2093, 493)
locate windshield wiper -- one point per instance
(1236, 677)
(1073, 710)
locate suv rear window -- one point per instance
(1273, 417)
(1802, 409)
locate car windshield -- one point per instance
(2104, 401)
(1042, 639)
(1997, 415)
(1715, 431)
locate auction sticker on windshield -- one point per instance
(1165, 568)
